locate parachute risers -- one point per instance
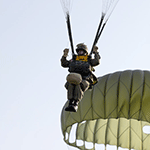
(114, 112)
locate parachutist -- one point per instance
(81, 77)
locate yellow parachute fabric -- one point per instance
(114, 112)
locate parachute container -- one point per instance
(114, 112)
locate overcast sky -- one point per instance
(33, 35)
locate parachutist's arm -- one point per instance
(64, 62)
(96, 60)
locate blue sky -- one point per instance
(33, 35)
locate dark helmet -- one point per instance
(82, 46)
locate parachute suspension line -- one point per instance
(101, 30)
(116, 2)
(66, 5)
(108, 7)
(70, 33)
(98, 30)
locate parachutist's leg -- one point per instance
(73, 105)
(75, 94)
(70, 106)
(67, 85)
(80, 89)
(70, 89)
(84, 85)
(70, 94)
(78, 93)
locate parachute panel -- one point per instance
(98, 98)
(100, 129)
(124, 93)
(111, 93)
(145, 105)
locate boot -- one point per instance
(73, 106)
(70, 106)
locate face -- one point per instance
(81, 52)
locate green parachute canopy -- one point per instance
(114, 112)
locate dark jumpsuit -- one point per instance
(84, 68)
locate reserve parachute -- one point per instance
(114, 112)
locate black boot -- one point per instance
(73, 106)
(70, 106)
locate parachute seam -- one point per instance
(100, 91)
(120, 109)
(105, 95)
(93, 107)
(97, 113)
(147, 85)
(134, 113)
(69, 114)
(118, 131)
(136, 133)
(73, 118)
(131, 84)
(122, 112)
(84, 133)
(112, 132)
(130, 92)
(112, 86)
(95, 132)
(123, 132)
(67, 117)
(77, 132)
(86, 112)
(118, 87)
(107, 126)
(143, 115)
(137, 89)
(130, 134)
(112, 111)
(141, 135)
(90, 128)
(121, 82)
(124, 86)
(101, 127)
(146, 138)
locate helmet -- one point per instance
(83, 47)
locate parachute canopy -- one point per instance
(66, 5)
(114, 112)
(105, 6)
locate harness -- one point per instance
(81, 65)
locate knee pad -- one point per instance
(74, 78)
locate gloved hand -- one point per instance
(66, 51)
(95, 49)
